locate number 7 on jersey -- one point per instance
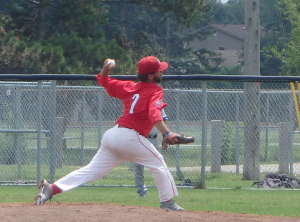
(135, 98)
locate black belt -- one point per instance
(154, 136)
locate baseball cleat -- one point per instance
(143, 194)
(45, 193)
(171, 205)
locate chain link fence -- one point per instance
(242, 130)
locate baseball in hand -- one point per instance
(111, 63)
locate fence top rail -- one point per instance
(203, 77)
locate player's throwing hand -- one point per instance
(109, 64)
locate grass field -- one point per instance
(187, 158)
(189, 154)
(121, 176)
(284, 203)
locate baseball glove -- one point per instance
(171, 138)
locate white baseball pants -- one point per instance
(139, 177)
(119, 145)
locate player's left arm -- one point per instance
(168, 136)
(161, 126)
(164, 115)
(171, 137)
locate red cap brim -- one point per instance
(162, 66)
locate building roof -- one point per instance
(237, 31)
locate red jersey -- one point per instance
(142, 102)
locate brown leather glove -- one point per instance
(171, 138)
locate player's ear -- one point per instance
(150, 76)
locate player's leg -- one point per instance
(100, 165)
(139, 176)
(154, 141)
(127, 144)
(139, 179)
(162, 177)
(146, 154)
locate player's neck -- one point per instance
(151, 81)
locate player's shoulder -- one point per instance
(125, 83)
(148, 86)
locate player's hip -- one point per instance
(127, 142)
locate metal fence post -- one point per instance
(283, 154)
(18, 118)
(99, 116)
(216, 143)
(237, 134)
(178, 171)
(52, 140)
(291, 109)
(39, 129)
(204, 134)
(267, 127)
(59, 141)
(81, 120)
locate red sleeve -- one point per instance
(102, 81)
(114, 87)
(156, 104)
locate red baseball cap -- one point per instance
(151, 64)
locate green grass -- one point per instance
(283, 203)
(122, 176)
(187, 156)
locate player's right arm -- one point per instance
(113, 87)
(106, 68)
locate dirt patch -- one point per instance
(98, 212)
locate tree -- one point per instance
(19, 57)
(275, 26)
(148, 31)
(185, 11)
(70, 36)
(230, 13)
(288, 50)
(272, 27)
(44, 18)
(3, 4)
(68, 31)
(79, 28)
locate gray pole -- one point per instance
(18, 127)
(267, 128)
(82, 122)
(237, 134)
(204, 130)
(99, 120)
(52, 128)
(39, 134)
(178, 98)
(291, 123)
(251, 168)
